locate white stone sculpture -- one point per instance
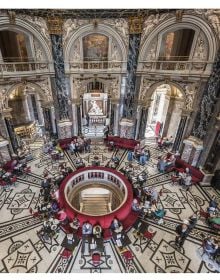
(41, 25)
(190, 93)
(95, 110)
(69, 26)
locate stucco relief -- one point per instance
(39, 53)
(45, 87)
(3, 98)
(115, 92)
(190, 92)
(145, 85)
(37, 22)
(70, 26)
(75, 52)
(151, 22)
(201, 49)
(212, 16)
(121, 26)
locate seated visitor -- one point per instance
(154, 195)
(97, 231)
(187, 181)
(160, 212)
(161, 165)
(116, 226)
(142, 178)
(143, 157)
(213, 206)
(72, 147)
(79, 162)
(130, 156)
(86, 233)
(75, 224)
(96, 161)
(135, 206)
(210, 245)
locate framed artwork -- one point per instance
(95, 47)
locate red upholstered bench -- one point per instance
(123, 143)
(64, 143)
(181, 165)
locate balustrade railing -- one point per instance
(13, 67)
(173, 66)
(96, 65)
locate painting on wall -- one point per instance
(95, 47)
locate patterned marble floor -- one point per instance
(23, 251)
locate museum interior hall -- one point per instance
(110, 141)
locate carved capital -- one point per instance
(6, 113)
(135, 25)
(55, 25)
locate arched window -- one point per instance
(176, 45)
(14, 46)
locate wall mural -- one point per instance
(95, 47)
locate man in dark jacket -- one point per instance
(182, 232)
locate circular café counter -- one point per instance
(93, 180)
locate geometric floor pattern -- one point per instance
(22, 250)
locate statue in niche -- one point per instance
(46, 90)
(114, 86)
(39, 54)
(200, 49)
(190, 91)
(115, 53)
(95, 110)
(3, 99)
(76, 52)
(69, 26)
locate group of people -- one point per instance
(165, 142)
(80, 144)
(141, 155)
(184, 178)
(166, 162)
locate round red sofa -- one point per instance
(104, 220)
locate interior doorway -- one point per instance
(165, 112)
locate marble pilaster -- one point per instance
(116, 120)
(192, 150)
(143, 124)
(4, 150)
(210, 95)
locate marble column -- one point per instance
(79, 119)
(116, 119)
(40, 113)
(138, 121)
(75, 119)
(143, 124)
(12, 134)
(53, 120)
(47, 120)
(192, 150)
(180, 133)
(30, 106)
(26, 108)
(60, 84)
(112, 116)
(4, 150)
(210, 95)
(131, 88)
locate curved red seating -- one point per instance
(105, 221)
(181, 165)
(123, 143)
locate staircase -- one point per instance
(95, 204)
